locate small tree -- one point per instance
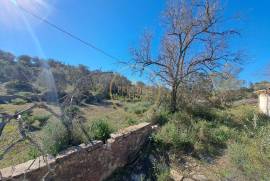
(193, 41)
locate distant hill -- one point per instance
(34, 75)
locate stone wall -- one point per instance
(95, 161)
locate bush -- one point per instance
(33, 153)
(18, 101)
(55, 137)
(24, 94)
(195, 135)
(203, 112)
(131, 121)
(161, 171)
(138, 108)
(72, 111)
(252, 155)
(27, 116)
(209, 137)
(160, 118)
(176, 136)
(221, 134)
(19, 86)
(164, 175)
(78, 135)
(101, 130)
(182, 118)
(42, 119)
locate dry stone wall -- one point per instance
(91, 162)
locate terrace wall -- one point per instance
(94, 162)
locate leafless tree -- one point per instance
(195, 40)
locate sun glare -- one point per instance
(11, 15)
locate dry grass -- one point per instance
(116, 116)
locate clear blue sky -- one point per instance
(115, 26)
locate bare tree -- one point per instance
(195, 40)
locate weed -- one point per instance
(101, 130)
(131, 121)
(55, 137)
(33, 153)
(18, 101)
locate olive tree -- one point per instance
(194, 40)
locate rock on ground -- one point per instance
(175, 175)
(199, 178)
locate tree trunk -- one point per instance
(173, 99)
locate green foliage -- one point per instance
(19, 86)
(78, 136)
(221, 134)
(188, 133)
(54, 138)
(206, 132)
(33, 153)
(161, 171)
(24, 94)
(27, 116)
(164, 175)
(42, 119)
(160, 118)
(252, 155)
(175, 136)
(132, 121)
(18, 101)
(138, 108)
(72, 111)
(101, 130)
(20, 75)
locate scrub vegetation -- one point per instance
(209, 124)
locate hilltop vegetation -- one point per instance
(207, 128)
(68, 105)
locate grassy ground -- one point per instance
(118, 115)
(230, 144)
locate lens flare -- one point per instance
(10, 15)
(13, 15)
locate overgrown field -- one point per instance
(49, 132)
(232, 144)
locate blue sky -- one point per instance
(115, 26)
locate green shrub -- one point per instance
(42, 119)
(18, 101)
(203, 112)
(221, 134)
(209, 137)
(131, 121)
(19, 86)
(55, 137)
(72, 111)
(24, 94)
(138, 108)
(27, 116)
(252, 155)
(101, 130)
(164, 175)
(33, 153)
(182, 118)
(160, 118)
(80, 133)
(176, 136)
(161, 171)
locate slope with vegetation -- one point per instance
(65, 106)
(209, 126)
